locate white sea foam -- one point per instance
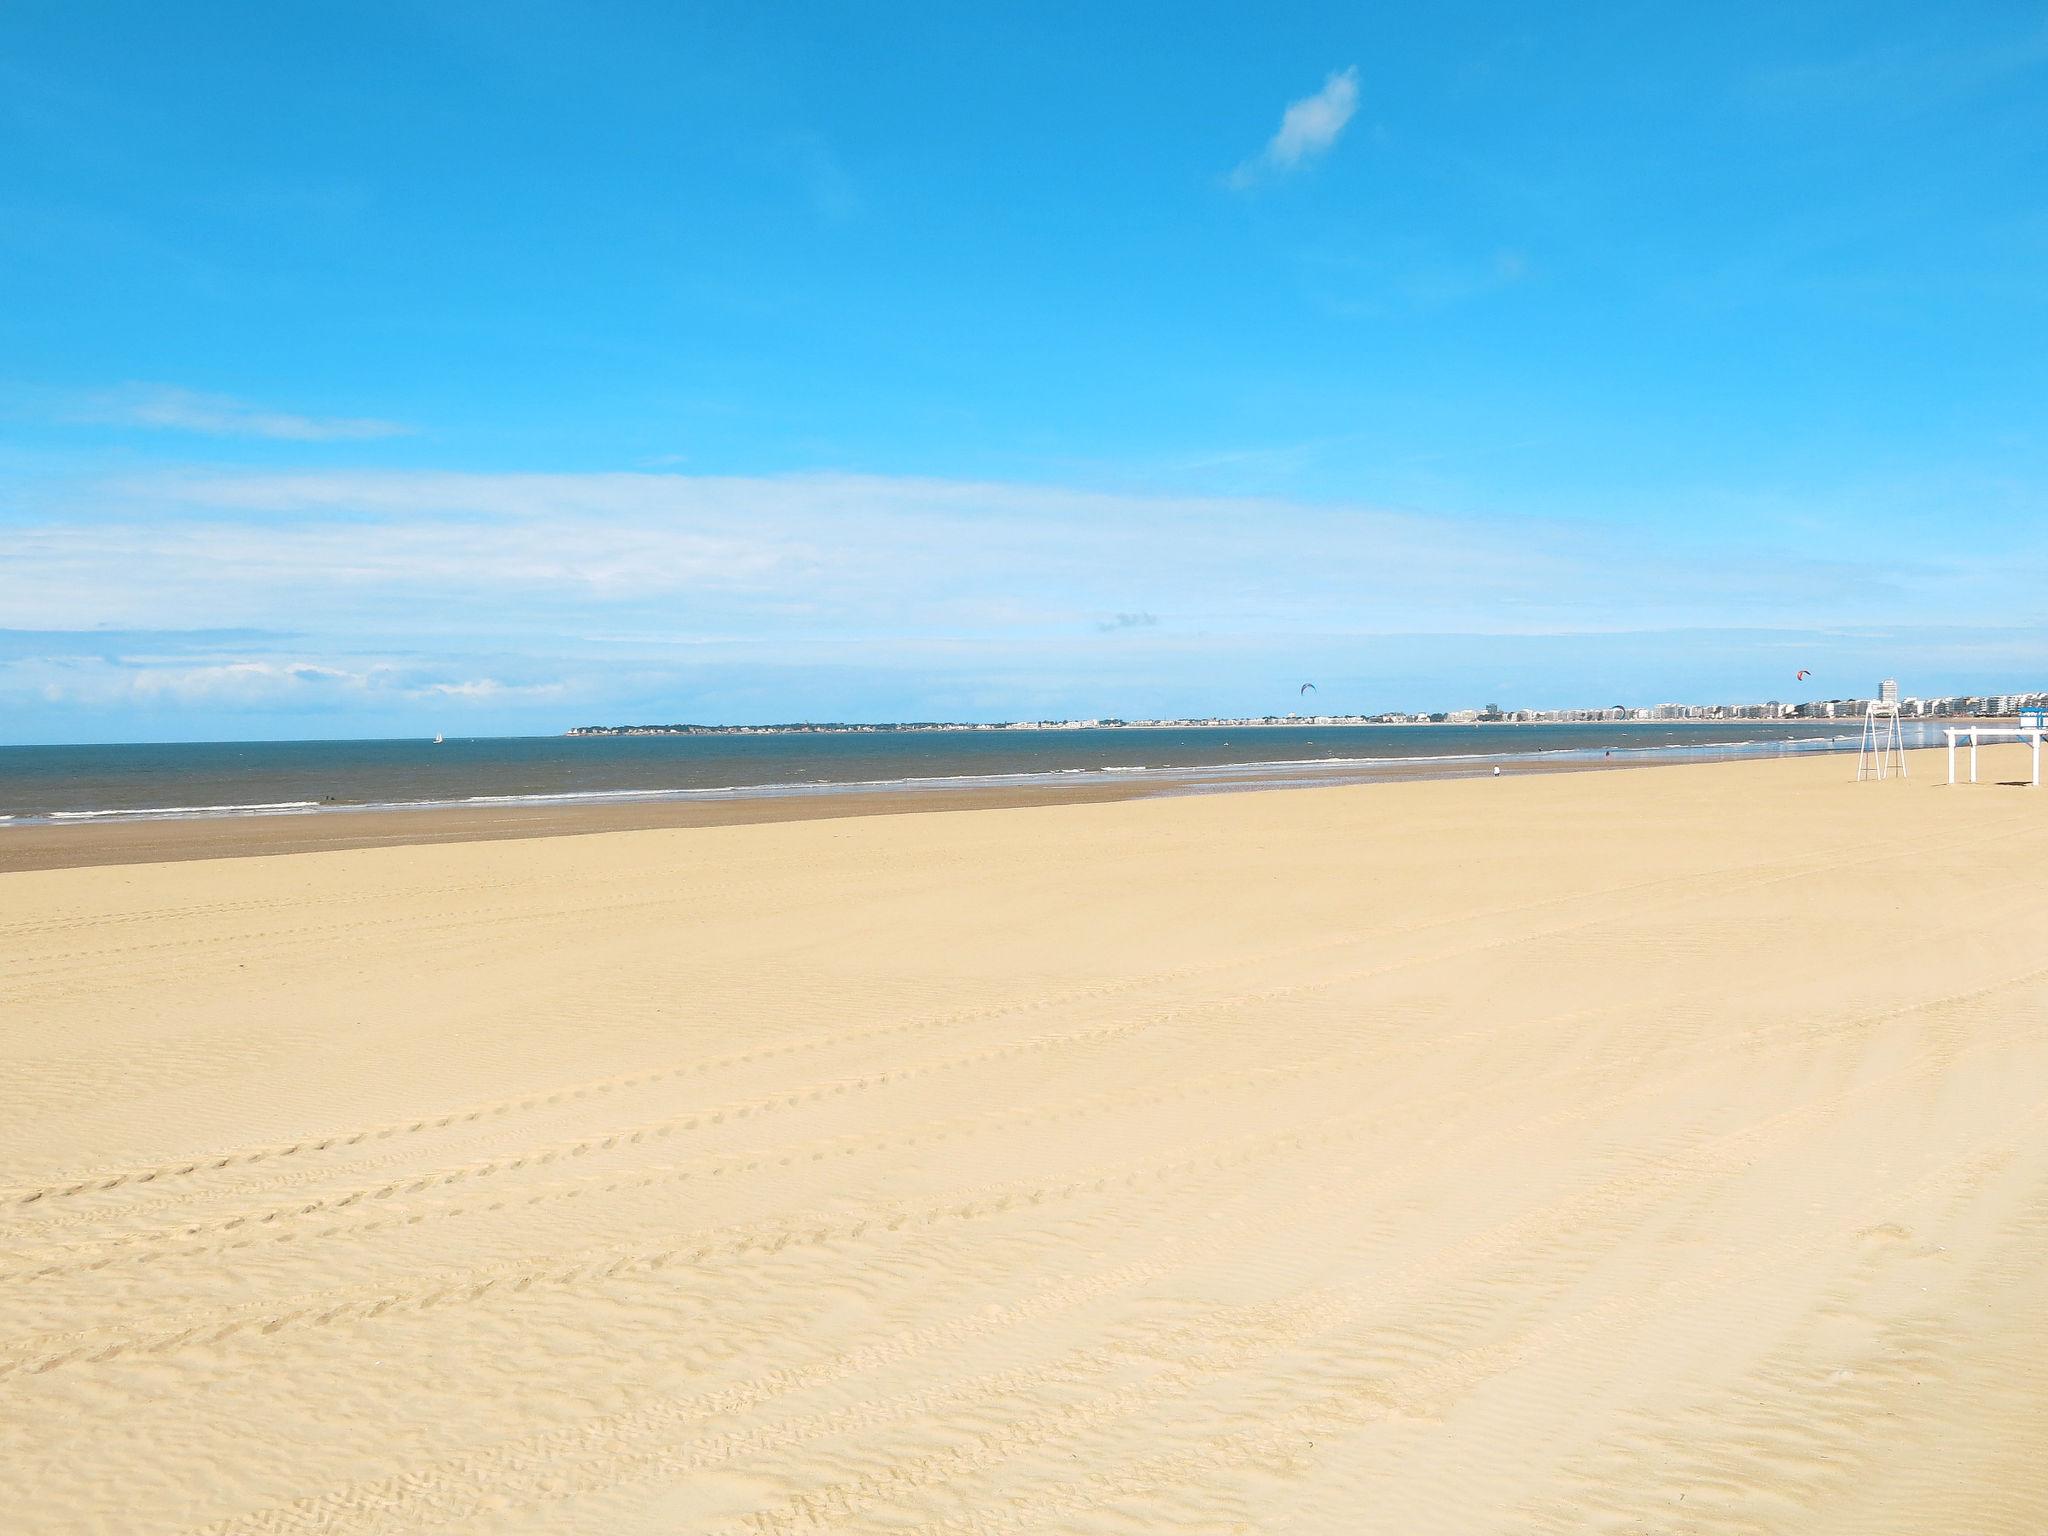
(140, 812)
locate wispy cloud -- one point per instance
(152, 680)
(488, 688)
(116, 642)
(826, 558)
(1371, 287)
(392, 596)
(163, 407)
(258, 680)
(1308, 128)
(1900, 79)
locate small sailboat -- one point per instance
(439, 739)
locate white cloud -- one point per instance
(165, 408)
(178, 681)
(402, 600)
(417, 561)
(1308, 128)
(257, 681)
(787, 555)
(488, 688)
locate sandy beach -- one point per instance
(1594, 1152)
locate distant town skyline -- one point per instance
(1909, 706)
(378, 371)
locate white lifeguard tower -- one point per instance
(1882, 752)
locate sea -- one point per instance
(59, 784)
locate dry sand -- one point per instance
(1659, 1151)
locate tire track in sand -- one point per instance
(107, 1180)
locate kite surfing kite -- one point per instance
(1801, 676)
(1307, 688)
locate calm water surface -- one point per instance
(241, 778)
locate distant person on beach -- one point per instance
(1496, 770)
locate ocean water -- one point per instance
(81, 783)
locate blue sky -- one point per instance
(390, 368)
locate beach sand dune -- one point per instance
(1658, 1151)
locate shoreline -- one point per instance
(87, 844)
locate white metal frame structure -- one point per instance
(1994, 733)
(1882, 751)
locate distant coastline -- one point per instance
(901, 727)
(1951, 707)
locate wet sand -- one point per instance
(84, 844)
(144, 841)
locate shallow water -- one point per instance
(40, 784)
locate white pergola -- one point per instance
(1993, 733)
